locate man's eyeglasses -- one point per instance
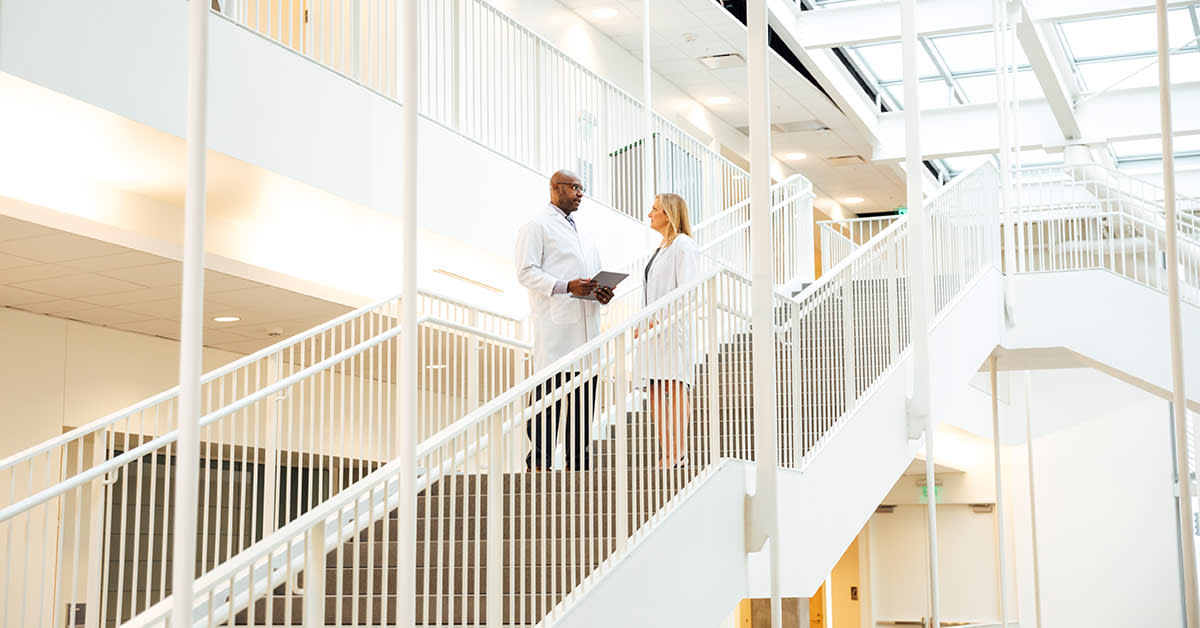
(578, 187)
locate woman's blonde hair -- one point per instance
(676, 210)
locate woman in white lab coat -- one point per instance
(665, 361)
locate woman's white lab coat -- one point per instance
(667, 349)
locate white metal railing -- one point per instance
(499, 545)
(839, 238)
(726, 236)
(99, 497)
(1095, 218)
(724, 239)
(491, 79)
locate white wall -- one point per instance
(305, 163)
(59, 373)
(1106, 520)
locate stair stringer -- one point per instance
(688, 570)
(825, 505)
(691, 568)
(1101, 320)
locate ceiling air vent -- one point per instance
(885, 508)
(727, 60)
(846, 160)
(775, 128)
(802, 126)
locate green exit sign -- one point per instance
(902, 210)
(923, 496)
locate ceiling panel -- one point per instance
(64, 275)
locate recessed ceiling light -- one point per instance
(796, 156)
(435, 367)
(718, 100)
(226, 319)
(604, 13)
(852, 200)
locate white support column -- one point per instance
(406, 398)
(1037, 574)
(919, 414)
(648, 156)
(1003, 576)
(1179, 396)
(1005, 124)
(765, 514)
(191, 326)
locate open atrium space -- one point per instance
(596, 313)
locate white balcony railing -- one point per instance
(1095, 218)
(491, 79)
(839, 238)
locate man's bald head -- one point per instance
(566, 190)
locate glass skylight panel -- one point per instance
(934, 94)
(981, 88)
(1185, 67)
(1124, 34)
(884, 61)
(963, 164)
(1152, 148)
(973, 52)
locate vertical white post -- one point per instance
(1037, 574)
(474, 375)
(714, 364)
(920, 272)
(1179, 398)
(191, 326)
(271, 459)
(313, 599)
(999, 497)
(765, 515)
(406, 527)
(495, 521)
(797, 389)
(648, 156)
(620, 389)
(1004, 105)
(848, 358)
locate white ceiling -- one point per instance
(64, 275)
(685, 30)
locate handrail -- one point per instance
(526, 387)
(83, 430)
(116, 462)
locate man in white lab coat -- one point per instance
(555, 262)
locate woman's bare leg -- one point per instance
(658, 407)
(679, 409)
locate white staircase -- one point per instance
(307, 421)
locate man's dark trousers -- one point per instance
(574, 411)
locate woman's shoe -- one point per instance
(680, 463)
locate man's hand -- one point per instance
(581, 287)
(604, 294)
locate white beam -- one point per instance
(1045, 57)
(855, 23)
(971, 130)
(863, 23)
(831, 74)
